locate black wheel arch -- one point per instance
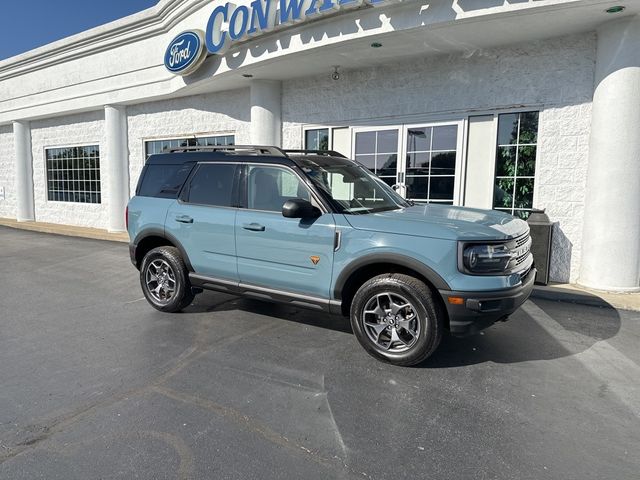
(364, 268)
(155, 237)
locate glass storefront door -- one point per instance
(430, 170)
(377, 149)
(431, 159)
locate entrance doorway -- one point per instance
(422, 162)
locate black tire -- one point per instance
(423, 319)
(182, 295)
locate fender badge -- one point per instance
(315, 260)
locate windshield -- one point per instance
(354, 189)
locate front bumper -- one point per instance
(480, 310)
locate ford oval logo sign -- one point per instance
(185, 53)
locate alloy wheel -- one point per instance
(161, 281)
(391, 322)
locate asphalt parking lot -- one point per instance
(94, 383)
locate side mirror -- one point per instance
(299, 208)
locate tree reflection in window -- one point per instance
(516, 163)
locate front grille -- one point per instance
(522, 240)
(523, 249)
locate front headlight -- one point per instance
(487, 258)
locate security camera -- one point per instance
(336, 74)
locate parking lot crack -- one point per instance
(250, 424)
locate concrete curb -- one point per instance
(562, 295)
(93, 233)
(578, 295)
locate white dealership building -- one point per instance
(508, 104)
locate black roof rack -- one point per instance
(257, 149)
(324, 153)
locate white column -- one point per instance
(266, 113)
(116, 161)
(24, 172)
(611, 240)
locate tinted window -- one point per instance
(163, 181)
(271, 187)
(212, 185)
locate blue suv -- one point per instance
(316, 230)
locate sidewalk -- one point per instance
(564, 292)
(67, 230)
(557, 292)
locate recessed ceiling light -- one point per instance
(376, 45)
(616, 9)
(247, 75)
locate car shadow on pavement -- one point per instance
(541, 330)
(213, 302)
(554, 329)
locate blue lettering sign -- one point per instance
(230, 23)
(262, 16)
(293, 10)
(238, 23)
(216, 38)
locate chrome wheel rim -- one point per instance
(161, 281)
(391, 322)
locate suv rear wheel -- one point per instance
(396, 319)
(165, 280)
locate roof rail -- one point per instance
(258, 149)
(324, 153)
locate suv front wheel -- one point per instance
(165, 280)
(396, 319)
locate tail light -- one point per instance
(126, 217)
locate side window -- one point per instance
(163, 181)
(270, 187)
(212, 185)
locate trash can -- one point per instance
(541, 236)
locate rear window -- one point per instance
(163, 181)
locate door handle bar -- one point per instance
(254, 227)
(184, 219)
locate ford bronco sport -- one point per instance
(316, 230)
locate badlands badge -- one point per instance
(315, 259)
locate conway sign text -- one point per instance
(263, 16)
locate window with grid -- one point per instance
(516, 163)
(316, 139)
(159, 146)
(377, 150)
(431, 163)
(73, 174)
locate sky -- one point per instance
(28, 24)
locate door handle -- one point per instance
(254, 227)
(184, 219)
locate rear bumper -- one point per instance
(132, 254)
(480, 310)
